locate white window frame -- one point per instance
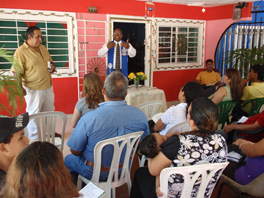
(181, 23)
(64, 17)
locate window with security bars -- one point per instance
(54, 38)
(240, 35)
(56, 32)
(179, 45)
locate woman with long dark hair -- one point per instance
(200, 145)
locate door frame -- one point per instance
(135, 19)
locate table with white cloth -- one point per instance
(143, 94)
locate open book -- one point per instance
(91, 191)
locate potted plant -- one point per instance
(242, 59)
(9, 89)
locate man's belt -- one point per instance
(106, 169)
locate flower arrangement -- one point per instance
(137, 77)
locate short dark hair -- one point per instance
(191, 91)
(118, 29)
(259, 69)
(148, 146)
(30, 31)
(7, 139)
(209, 60)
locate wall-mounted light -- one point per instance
(92, 9)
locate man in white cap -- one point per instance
(12, 141)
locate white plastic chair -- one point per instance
(151, 108)
(182, 127)
(46, 126)
(115, 179)
(191, 174)
(254, 188)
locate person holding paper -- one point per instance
(245, 172)
(209, 78)
(117, 52)
(31, 61)
(253, 123)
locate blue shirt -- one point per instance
(110, 119)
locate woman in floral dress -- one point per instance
(201, 145)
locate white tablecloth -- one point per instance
(143, 94)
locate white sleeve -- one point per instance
(131, 51)
(175, 114)
(103, 51)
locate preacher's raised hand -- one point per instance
(125, 45)
(111, 45)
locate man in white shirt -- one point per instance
(117, 52)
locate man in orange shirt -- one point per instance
(209, 78)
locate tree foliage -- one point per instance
(242, 59)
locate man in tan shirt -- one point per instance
(34, 64)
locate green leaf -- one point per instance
(9, 88)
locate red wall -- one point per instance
(66, 96)
(65, 89)
(127, 7)
(172, 81)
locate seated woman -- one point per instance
(200, 145)
(39, 171)
(254, 163)
(92, 91)
(232, 90)
(178, 114)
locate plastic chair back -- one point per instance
(254, 188)
(46, 123)
(151, 108)
(255, 105)
(225, 110)
(203, 173)
(115, 178)
(182, 127)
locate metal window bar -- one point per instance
(85, 38)
(238, 36)
(45, 30)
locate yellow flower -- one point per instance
(131, 75)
